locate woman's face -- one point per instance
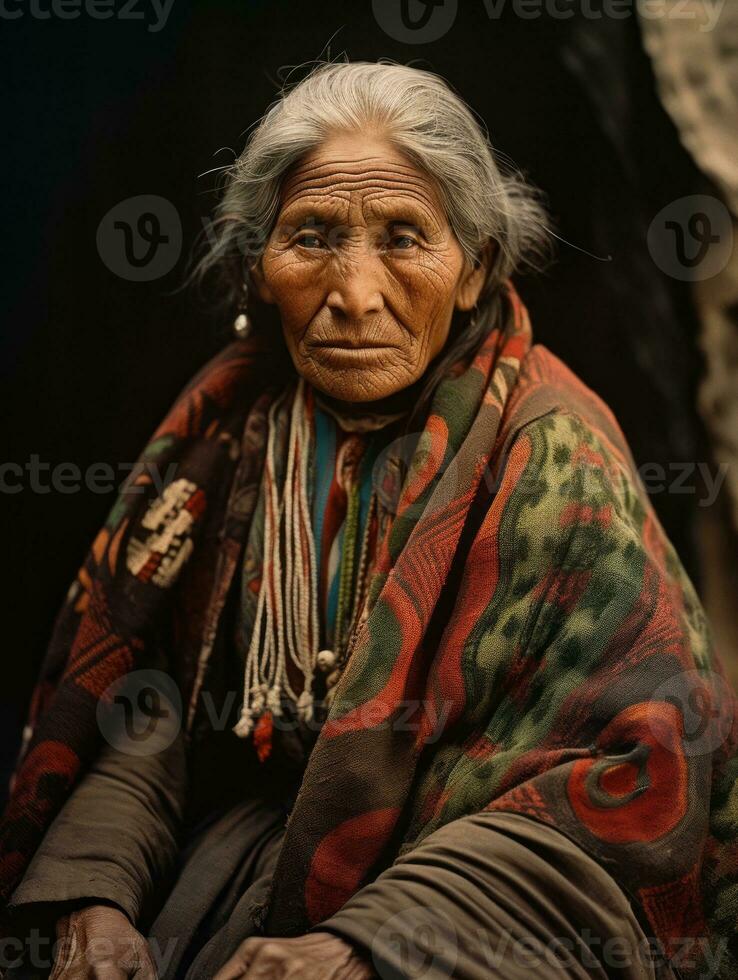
(364, 269)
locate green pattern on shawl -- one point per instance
(561, 647)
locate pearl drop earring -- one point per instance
(242, 323)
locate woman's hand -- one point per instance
(316, 956)
(99, 943)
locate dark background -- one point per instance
(97, 111)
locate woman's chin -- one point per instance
(355, 383)
(355, 394)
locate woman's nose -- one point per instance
(356, 288)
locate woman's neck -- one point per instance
(362, 416)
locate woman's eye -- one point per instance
(311, 241)
(402, 242)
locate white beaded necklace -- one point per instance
(289, 612)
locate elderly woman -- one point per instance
(382, 664)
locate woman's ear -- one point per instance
(474, 277)
(257, 277)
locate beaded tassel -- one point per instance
(286, 612)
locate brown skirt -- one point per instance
(224, 873)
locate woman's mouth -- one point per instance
(351, 344)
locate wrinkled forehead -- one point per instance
(360, 178)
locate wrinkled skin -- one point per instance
(99, 943)
(364, 269)
(316, 956)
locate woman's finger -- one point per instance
(145, 968)
(238, 964)
(66, 937)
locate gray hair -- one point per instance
(420, 114)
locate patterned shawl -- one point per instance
(529, 643)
